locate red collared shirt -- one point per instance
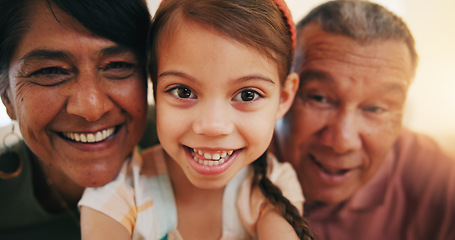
(412, 197)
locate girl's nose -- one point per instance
(213, 119)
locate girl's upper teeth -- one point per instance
(90, 137)
(213, 156)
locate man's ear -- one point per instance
(7, 101)
(288, 91)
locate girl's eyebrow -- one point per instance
(177, 74)
(241, 79)
(256, 77)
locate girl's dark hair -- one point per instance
(124, 22)
(276, 197)
(257, 24)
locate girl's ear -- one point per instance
(288, 91)
(6, 99)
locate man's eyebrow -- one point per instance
(313, 75)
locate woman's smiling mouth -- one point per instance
(94, 137)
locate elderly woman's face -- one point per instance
(79, 99)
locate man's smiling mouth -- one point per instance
(327, 170)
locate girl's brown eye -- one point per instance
(183, 92)
(248, 95)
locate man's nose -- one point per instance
(342, 134)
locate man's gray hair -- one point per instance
(362, 21)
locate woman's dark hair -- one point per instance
(256, 24)
(125, 22)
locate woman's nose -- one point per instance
(88, 99)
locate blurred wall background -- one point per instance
(431, 101)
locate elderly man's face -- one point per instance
(347, 113)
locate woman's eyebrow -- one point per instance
(113, 50)
(45, 54)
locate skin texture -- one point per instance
(347, 112)
(64, 79)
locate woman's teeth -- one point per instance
(90, 137)
(208, 159)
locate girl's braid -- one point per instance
(275, 196)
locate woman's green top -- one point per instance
(21, 215)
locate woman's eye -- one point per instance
(247, 95)
(117, 65)
(182, 92)
(50, 76)
(118, 70)
(50, 71)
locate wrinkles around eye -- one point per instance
(49, 76)
(119, 70)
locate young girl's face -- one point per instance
(217, 101)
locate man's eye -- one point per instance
(247, 95)
(375, 109)
(319, 98)
(182, 92)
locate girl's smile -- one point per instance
(211, 162)
(228, 96)
(211, 159)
